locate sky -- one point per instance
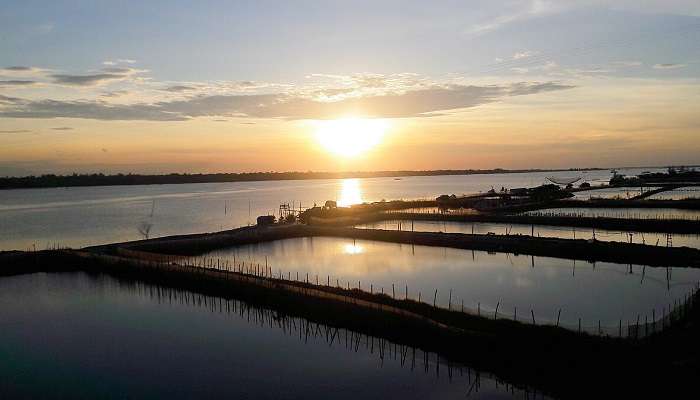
(229, 86)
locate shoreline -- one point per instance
(96, 180)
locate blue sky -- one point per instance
(103, 69)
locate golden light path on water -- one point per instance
(350, 193)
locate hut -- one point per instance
(265, 220)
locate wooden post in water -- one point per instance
(435, 298)
(406, 296)
(393, 292)
(620, 332)
(449, 303)
(495, 313)
(558, 315)
(533, 316)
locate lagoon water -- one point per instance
(604, 292)
(91, 336)
(81, 216)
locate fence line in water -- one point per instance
(663, 239)
(611, 214)
(638, 329)
(668, 216)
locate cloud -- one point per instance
(85, 80)
(9, 100)
(626, 63)
(106, 75)
(17, 83)
(15, 131)
(62, 128)
(17, 68)
(668, 66)
(45, 28)
(119, 61)
(524, 54)
(115, 93)
(547, 66)
(179, 88)
(424, 102)
(521, 10)
(22, 71)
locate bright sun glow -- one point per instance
(350, 137)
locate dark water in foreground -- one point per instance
(79, 336)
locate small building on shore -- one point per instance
(266, 220)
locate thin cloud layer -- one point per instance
(668, 66)
(411, 103)
(106, 75)
(17, 83)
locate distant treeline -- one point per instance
(51, 180)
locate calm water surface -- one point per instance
(79, 217)
(79, 336)
(603, 291)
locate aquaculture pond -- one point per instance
(611, 193)
(91, 336)
(636, 213)
(688, 192)
(562, 232)
(483, 281)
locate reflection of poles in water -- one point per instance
(153, 207)
(144, 229)
(307, 331)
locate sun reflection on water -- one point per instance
(352, 249)
(350, 193)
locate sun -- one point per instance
(350, 137)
